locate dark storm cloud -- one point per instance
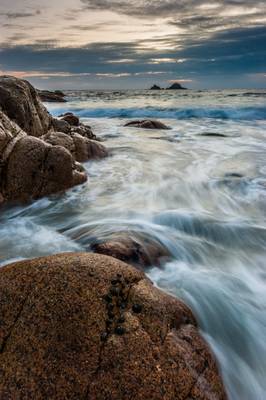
(212, 39)
(231, 52)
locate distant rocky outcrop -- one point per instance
(86, 326)
(147, 124)
(176, 86)
(155, 87)
(52, 97)
(39, 154)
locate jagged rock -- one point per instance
(20, 102)
(138, 250)
(176, 86)
(85, 131)
(69, 117)
(31, 168)
(155, 87)
(147, 124)
(85, 326)
(52, 97)
(81, 148)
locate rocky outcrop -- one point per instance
(138, 250)
(81, 148)
(147, 124)
(21, 103)
(85, 326)
(31, 168)
(52, 97)
(35, 159)
(155, 87)
(176, 86)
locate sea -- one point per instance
(199, 189)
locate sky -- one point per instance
(120, 44)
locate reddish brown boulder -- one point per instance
(84, 326)
(31, 168)
(82, 149)
(139, 251)
(21, 103)
(147, 124)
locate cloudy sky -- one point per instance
(116, 44)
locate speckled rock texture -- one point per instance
(140, 251)
(86, 326)
(31, 168)
(20, 102)
(147, 124)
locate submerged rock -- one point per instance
(52, 97)
(139, 251)
(214, 134)
(84, 326)
(147, 124)
(20, 102)
(31, 168)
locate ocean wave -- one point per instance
(243, 113)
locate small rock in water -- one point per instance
(147, 124)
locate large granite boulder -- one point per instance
(20, 102)
(147, 124)
(31, 168)
(85, 326)
(82, 149)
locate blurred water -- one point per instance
(199, 189)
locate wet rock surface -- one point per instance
(141, 252)
(20, 102)
(86, 326)
(147, 124)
